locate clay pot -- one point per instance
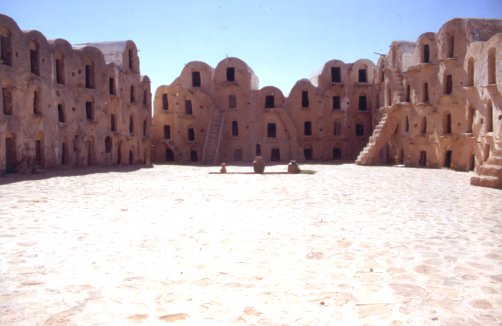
(259, 164)
(293, 167)
(223, 168)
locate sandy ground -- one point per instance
(348, 245)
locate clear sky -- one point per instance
(281, 40)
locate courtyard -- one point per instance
(179, 244)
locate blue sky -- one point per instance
(281, 40)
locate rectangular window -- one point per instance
(167, 132)
(449, 84)
(196, 82)
(362, 103)
(230, 74)
(7, 101)
(145, 128)
(130, 59)
(191, 134)
(60, 71)
(61, 113)
(305, 99)
(165, 103)
(113, 125)
(271, 130)
(362, 76)
(426, 92)
(232, 101)
(235, 128)
(451, 46)
(359, 130)
(269, 101)
(336, 103)
(89, 76)
(111, 85)
(132, 95)
(37, 105)
(408, 93)
(6, 50)
(426, 54)
(145, 97)
(89, 114)
(307, 128)
(34, 62)
(131, 125)
(336, 76)
(188, 107)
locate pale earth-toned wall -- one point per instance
(32, 139)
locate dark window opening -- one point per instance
(64, 154)
(10, 155)
(60, 71)
(363, 78)
(188, 107)
(269, 101)
(305, 99)
(108, 144)
(131, 125)
(449, 84)
(165, 103)
(307, 128)
(472, 165)
(61, 116)
(336, 76)
(447, 159)
(426, 54)
(275, 155)
(37, 105)
(447, 124)
(359, 130)
(406, 124)
(336, 103)
(271, 130)
(196, 82)
(470, 72)
(169, 155)
(34, 66)
(132, 96)
(426, 93)
(191, 134)
(232, 101)
(145, 97)
(235, 128)
(492, 73)
(38, 153)
(238, 155)
(470, 119)
(423, 159)
(131, 157)
(6, 50)
(111, 86)
(337, 153)
(7, 101)
(167, 132)
(258, 149)
(362, 103)
(89, 76)
(230, 74)
(489, 117)
(423, 128)
(308, 154)
(408, 93)
(89, 110)
(193, 156)
(113, 125)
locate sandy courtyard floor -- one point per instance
(348, 245)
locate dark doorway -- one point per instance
(258, 149)
(38, 153)
(169, 155)
(423, 159)
(337, 154)
(10, 155)
(275, 155)
(447, 159)
(308, 153)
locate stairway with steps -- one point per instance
(177, 152)
(381, 135)
(213, 138)
(490, 173)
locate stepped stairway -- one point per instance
(213, 138)
(178, 154)
(381, 135)
(490, 173)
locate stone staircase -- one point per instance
(381, 135)
(213, 138)
(490, 173)
(178, 154)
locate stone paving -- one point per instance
(348, 245)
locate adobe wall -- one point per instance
(447, 96)
(58, 102)
(300, 126)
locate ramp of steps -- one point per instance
(213, 138)
(381, 135)
(490, 173)
(177, 152)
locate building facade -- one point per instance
(213, 115)
(70, 105)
